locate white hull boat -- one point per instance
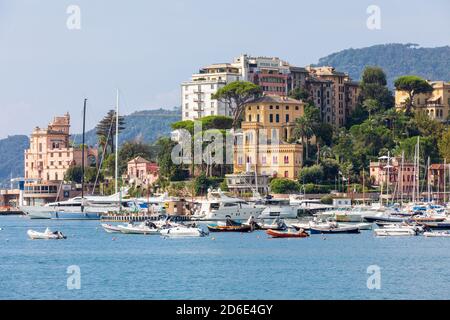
(361, 226)
(395, 232)
(110, 228)
(437, 234)
(138, 229)
(183, 232)
(46, 235)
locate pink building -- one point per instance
(379, 175)
(142, 172)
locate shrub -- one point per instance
(313, 174)
(284, 186)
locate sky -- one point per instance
(146, 48)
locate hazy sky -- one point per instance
(146, 48)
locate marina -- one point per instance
(120, 266)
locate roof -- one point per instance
(139, 160)
(275, 99)
(437, 166)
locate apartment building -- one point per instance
(436, 104)
(401, 177)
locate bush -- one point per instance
(316, 188)
(327, 199)
(313, 174)
(284, 186)
(330, 169)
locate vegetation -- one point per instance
(236, 94)
(284, 186)
(75, 174)
(106, 131)
(412, 85)
(12, 158)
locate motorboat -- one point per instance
(314, 223)
(146, 228)
(333, 230)
(220, 207)
(110, 228)
(437, 225)
(308, 205)
(278, 208)
(395, 232)
(183, 231)
(444, 234)
(361, 225)
(47, 235)
(289, 233)
(276, 224)
(384, 218)
(154, 204)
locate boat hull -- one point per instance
(241, 228)
(346, 230)
(286, 234)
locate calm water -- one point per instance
(233, 266)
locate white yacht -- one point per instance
(308, 205)
(278, 208)
(218, 206)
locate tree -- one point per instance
(236, 94)
(283, 186)
(167, 168)
(131, 150)
(106, 130)
(74, 174)
(444, 145)
(413, 85)
(313, 174)
(303, 130)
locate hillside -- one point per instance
(395, 59)
(11, 157)
(147, 125)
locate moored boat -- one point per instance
(145, 228)
(395, 232)
(46, 235)
(289, 233)
(110, 228)
(182, 231)
(444, 234)
(334, 230)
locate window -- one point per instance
(249, 118)
(186, 114)
(286, 159)
(271, 118)
(277, 118)
(286, 174)
(257, 118)
(274, 160)
(263, 160)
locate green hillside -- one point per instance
(395, 59)
(11, 157)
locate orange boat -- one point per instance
(287, 234)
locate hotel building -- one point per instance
(436, 104)
(47, 160)
(401, 177)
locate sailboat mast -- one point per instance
(82, 154)
(117, 144)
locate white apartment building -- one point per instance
(197, 101)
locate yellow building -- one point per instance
(436, 103)
(267, 138)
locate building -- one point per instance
(46, 161)
(247, 183)
(142, 172)
(399, 180)
(267, 138)
(436, 104)
(197, 101)
(332, 91)
(343, 97)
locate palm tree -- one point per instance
(303, 130)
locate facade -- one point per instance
(142, 172)
(197, 101)
(267, 136)
(399, 180)
(436, 103)
(246, 183)
(48, 158)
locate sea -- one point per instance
(93, 264)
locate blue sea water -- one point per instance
(222, 266)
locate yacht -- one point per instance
(154, 204)
(308, 205)
(219, 206)
(278, 208)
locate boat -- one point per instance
(277, 224)
(445, 234)
(361, 226)
(278, 208)
(219, 207)
(183, 231)
(47, 235)
(314, 223)
(384, 218)
(308, 205)
(231, 226)
(395, 232)
(289, 233)
(333, 230)
(110, 228)
(437, 225)
(146, 228)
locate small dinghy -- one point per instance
(110, 228)
(146, 228)
(334, 230)
(183, 231)
(46, 235)
(231, 226)
(442, 234)
(289, 233)
(277, 224)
